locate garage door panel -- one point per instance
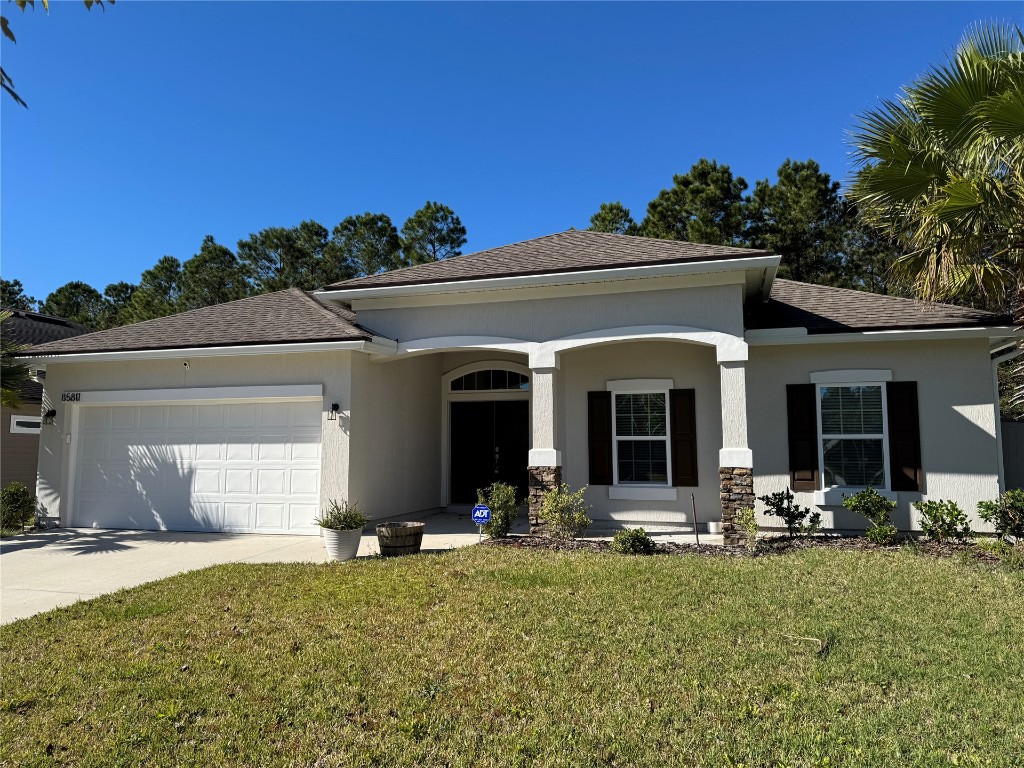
(237, 467)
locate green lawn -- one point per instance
(490, 656)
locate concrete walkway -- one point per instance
(47, 569)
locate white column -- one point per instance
(543, 411)
(735, 452)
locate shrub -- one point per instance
(565, 512)
(882, 534)
(876, 508)
(1005, 514)
(812, 526)
(943, 520)
(781, 505)
(747, 520)
(342, 517)
(501, 498)
(17, 505)
(632, 541)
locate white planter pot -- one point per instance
(341, 545)
(714, 528)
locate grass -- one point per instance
(491, 656)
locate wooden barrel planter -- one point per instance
(398, 539)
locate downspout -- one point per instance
(998, 360)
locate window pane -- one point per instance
(499, 379)
(640, 414)
(851, 410)
(457, 384)
(642, 461)
(854, 463)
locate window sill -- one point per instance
(642, 493)
(833, 497)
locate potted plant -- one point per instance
(342, 526)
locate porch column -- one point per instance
(735, 461)
(545, 464)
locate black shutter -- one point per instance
(683, 408)
(904, 436)
(802, 414)
(599, 437)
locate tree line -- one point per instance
(801, 216)
(306, 256)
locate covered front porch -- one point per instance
(652, 420)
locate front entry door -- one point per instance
(490, 443)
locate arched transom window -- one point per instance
(494, 379)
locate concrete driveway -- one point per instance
(47, 569)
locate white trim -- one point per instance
(444, 343)
(642, 493)
(545, 457)
(640, 385)
(19, 430)
(448, 397)
(728, 348)
(197, 394)
(557, 278)
(864, 436)
(842, 377)
(736, 457)
(779, 336)
(833, 497)
(378, 345)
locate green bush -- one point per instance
(1005, 514)
(747, 520)
(342, 516)
(17, 505)
(632, 541)
(564, 512)
(781, 505)
(876, 508)
(812, 526)
(501, 498)
(943, 520)
(882, 534)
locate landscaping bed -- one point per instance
(498, 655)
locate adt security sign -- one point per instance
(481, 514)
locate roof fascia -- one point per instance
(770, 337)
(552, 278)
(377, 345)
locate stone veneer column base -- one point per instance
(737, 493)
(542, 479)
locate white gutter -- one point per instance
(781, 336)
(378, 345)
(557, 278)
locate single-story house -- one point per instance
(648, 370)
(20, 427)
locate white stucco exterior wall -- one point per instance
(395, 428)
(714, 307)
(331, 370)
(956, 403)
(689, 366)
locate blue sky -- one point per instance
(155, 123)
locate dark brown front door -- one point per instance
(490, 442)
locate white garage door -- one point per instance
(246, 467)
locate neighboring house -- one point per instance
(19, 428)
(647, 369)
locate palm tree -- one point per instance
(14, 375)
(941, 168)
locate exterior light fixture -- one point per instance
(332, 415)
(48, 417)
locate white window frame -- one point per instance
(16, 430)
(833, 493)
(641, 387)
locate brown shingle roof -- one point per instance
(823, 309)
(289, 316)
(25, 327)
(572, 251)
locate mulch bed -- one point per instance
(773, 545)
